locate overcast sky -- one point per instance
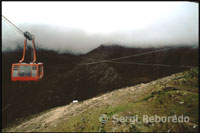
(81, 26)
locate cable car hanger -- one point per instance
(28, 36)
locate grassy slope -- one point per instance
(162, 97)
(173, 95)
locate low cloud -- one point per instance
(178, 29)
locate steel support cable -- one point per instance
(10, 23)
(124, 57)
(139, 63)
(133, 63)
(150, 64)
(104, 60)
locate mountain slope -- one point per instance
(173, 95)
(65, 79)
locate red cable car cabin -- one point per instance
(27, 72)
(24, 71)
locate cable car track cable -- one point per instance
(10, 23)
(124, 57)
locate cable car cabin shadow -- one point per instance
(27, 72)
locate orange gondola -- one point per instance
(27, 71)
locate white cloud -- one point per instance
(88, 24)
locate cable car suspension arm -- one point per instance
(27, 35)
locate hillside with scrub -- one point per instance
(175, 95)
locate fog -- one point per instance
(179, 27)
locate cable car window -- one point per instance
(15, 71)
(34, 71)
(40, 70)
(16, 67)
(24, 71)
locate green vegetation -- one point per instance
(177, 97)
(174, 96)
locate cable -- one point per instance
(150, 64)
(133, 63)
(139, 63)
(9, 22)
(124, 57)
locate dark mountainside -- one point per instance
(65, 80)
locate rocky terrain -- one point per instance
(66, 80)
(172, 95)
